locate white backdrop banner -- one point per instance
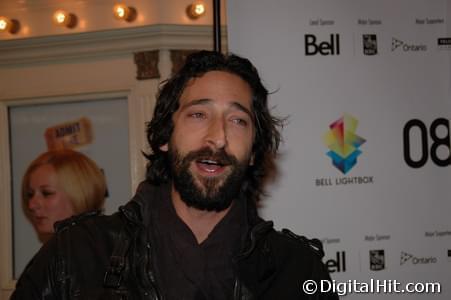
(365, 164)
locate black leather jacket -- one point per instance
(110, 257)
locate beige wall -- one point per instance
(78, 67)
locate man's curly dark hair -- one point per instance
(267, 134)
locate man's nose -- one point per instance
(217, 133)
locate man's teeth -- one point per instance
(209, 162)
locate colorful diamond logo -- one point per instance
(343, 143)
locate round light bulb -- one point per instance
(4, 24)
(60, 17)
(199, 9)
(63, 18)
(195, 10)
(121, 11)
(9, 25)
(124, 12)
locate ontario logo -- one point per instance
(406, 47)
(344, 143)
(410, 258)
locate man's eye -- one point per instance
(197, 115)
(29, 194)
(240, 122)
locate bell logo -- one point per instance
(338, 264)
(330, 47)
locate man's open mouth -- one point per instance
(211, 165)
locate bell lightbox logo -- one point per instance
(344, 143)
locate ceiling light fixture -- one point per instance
(63, 18)
(124, 12)
(9, 25)
(195, 10)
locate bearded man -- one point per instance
(192, 230)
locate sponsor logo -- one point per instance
(377, 260)
(407, 258)
(397, 45)
(343, 143)
(433, 141)
(325, 48)
(369, 44)
(444, 43)
(337, 264)
(328, 181)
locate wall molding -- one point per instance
(104, 44)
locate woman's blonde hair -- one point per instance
(79, 177)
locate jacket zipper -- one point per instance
(151, 276)
(237, 290)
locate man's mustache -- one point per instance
(220, 157)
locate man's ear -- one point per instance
(164, 147)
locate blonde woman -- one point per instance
(59, 184)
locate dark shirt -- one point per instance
(188, 270)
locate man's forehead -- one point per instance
(214, 85)
(232, 105)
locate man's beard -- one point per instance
(214, 193)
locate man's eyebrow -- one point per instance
(244, 109)
(204, 101)
(196, 102)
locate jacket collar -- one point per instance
(255, 263)
(138, 209)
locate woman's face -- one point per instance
(47, 202)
